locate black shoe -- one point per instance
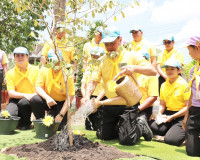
(146, 131)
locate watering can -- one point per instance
(127, 89)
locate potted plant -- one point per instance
(8, 123)
(45, 127)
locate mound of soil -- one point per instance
(57, 148)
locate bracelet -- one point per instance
(61, 115)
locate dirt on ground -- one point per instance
(56, 148)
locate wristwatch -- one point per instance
(61, 115)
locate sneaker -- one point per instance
(146, 131)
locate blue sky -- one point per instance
(158, 18)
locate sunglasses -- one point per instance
(167, 42)
(135, 32)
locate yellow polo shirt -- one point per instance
(54, 84)
(142, 47)
(86, 79)
(148, 85)
(88, 46)
(174, 95)
(108, 69)
(67, 52)
(174, 53)
(22, 81)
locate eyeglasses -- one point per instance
(167, 42)
(20, 55)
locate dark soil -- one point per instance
(57, 148)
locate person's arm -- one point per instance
(153, 61)
(18, 95)
(147, 103)
(187, 112)
(5, 69)
(101, 95)
(161, 107)
(83, 89)
(90, 89)
(161, 72)
(50, 101)
(43, 60)
(177, 114)
(147, 70)
(64, 110)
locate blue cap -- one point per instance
(169, 37)
(146, 55)
(110, 34)
(51, 54)
(98, 51)
(20, 50)
(135, 28)
(172, 63)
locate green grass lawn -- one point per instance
(153, 149)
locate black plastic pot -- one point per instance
(44, 132)
(8, 125)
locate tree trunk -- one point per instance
(59, 10)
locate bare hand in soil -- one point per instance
(50, 102)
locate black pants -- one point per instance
(21, 108)
(146, 113)
(173, 132)
(161, 80)
(1, 82)
(119, 121)
(93, 119)
(39, 106)
(193, 132)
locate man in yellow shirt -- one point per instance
(169, 52)
(50, 87)
(62, 44)
(95, 42)
(141, 45)
(21, 87)
(148, 85)
(3, 68)
(116, 119)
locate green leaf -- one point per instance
(115, 18)
(93, 14)
(123, 15)
(35, 23)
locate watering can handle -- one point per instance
(115, 78)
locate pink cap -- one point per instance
(194, 40)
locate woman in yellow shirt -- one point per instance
(174, 96)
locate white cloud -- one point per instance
(136, 10)
(191, 28)
(176, 11)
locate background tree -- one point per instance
(16, 27)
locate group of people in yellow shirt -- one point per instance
(34, 90)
